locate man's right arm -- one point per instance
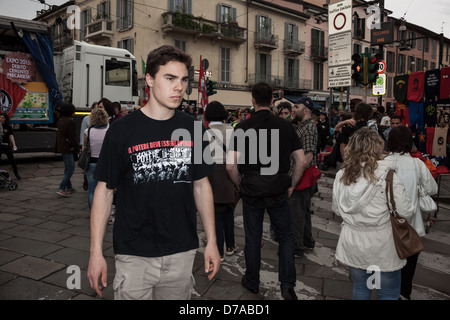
(101, 209)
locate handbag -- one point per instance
(426, 203)
(85, 156)
(309, 178)
(407, 241)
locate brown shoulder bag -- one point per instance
(407, 241)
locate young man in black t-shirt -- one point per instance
(150, 158)
(265, 142)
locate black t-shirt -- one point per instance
(255, 157)
(153, 170)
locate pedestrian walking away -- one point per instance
(148, 157)
(414, 174)
(266, 185)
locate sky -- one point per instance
(429, 14)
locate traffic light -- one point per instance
(211, 87)
(373, 67)
(358, 68)
(190, 80)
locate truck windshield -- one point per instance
(118, 73)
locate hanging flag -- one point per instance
(202, 87)
(144, 67)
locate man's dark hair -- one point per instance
(164, 54)
(262, 93)
(397, 117)
(400, 140)
(215, 111)
(66, 109)
(363, 112)
(284, 105)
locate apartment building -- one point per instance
(243, 41)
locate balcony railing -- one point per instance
(265, 40)
(319, 52)
(280, 82)
(62, 40)
(179, 22)
(294, 47)
(100, 29)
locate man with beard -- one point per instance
(300, 201)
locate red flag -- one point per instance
(202, 87)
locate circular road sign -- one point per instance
(339, 23)
(381, 66)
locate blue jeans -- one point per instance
(92, 183)
(69, 168)
(280, 219)
(389, 284)
(225, 228)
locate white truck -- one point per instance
(86, 73)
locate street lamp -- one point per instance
(402, 26)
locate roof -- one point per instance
(28, 25)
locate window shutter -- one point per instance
(269, 68)
(189, 6)
(258, 23)
(295, 36)
(297, 73)
(286, 71)
(269, 21)
(130, 12)
(234, 13)
(257, 66)
(119, 15)
(219, 13)
(108, 9)
(171, 6)
(286, 33)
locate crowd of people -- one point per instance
(155, 219)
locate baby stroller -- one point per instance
(5, 179)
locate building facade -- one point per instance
(284, 42)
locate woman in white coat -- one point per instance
(366, 242)
(413, 172)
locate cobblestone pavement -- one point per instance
(42, 235)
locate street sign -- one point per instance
(207, 73)
(379, 87)
(381, 66)
(340, 49)
(340, 17)
(340, 76)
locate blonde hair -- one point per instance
(362, 153)
(98, 117)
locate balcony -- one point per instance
(294, 47)
(183, 23)
(62, 40)
(267, 41)
(100, 29)
(280, 82)
(319, 52)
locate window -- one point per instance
(290, 35)
(225, 14)
(103, 10)
(425, 64)
(263, 67)
(225, 65)
(85, 19)
(317, 43)
(419, 44)
(401, 64)
(318, 76)
(390, 63)
(117, 73)
(124, 16)
(432, 65)
(291, 73)
(426, 45)
(389, 86)
(433, 49)
(412, 43)
(359, 26)
(180, 5)
(180, 44)
(263, 25)
(419, 66)
(126, 44)
(411, 64)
